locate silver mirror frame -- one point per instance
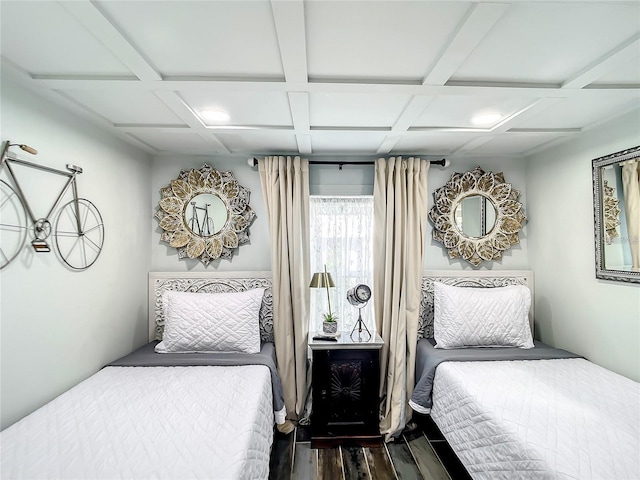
(597, 165)
(509, 220)
(175, 199)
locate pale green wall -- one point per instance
(60, 326)
(599, 319)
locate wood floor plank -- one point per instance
(304, 464)
(281, 456)
(329, 464)
(403, 462)
(417, 457)
(426, 458)
(354, 464)
(379, 463)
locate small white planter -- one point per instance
(330, 327)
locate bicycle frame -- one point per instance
(76, 227)
(203, 229)
(8, 160)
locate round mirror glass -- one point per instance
(205, 214)
(475, 216)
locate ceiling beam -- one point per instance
(389, 143)
(480, 89)
(178, 106)
(304, 144)
(289, 24)
(474, 143)
(299, 107)
(414, 132)
(410, 114)
(626, 51)
(478, 21)
(100, 27)
(523, 114)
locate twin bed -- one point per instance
(511, 409)
(174, 415)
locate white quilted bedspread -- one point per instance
(146, 423)
(541, 419)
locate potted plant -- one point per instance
(330, 323)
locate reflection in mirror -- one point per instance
(617, 253)
(205, 214)
(475, 216)
(616, 197)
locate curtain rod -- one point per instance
(444, 163)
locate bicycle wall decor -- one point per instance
(205, 214)
(78, 229)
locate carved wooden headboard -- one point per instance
(217, 282)
(485, 279)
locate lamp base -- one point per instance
(360, 330)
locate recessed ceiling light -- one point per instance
(215, 116)
(485, 119)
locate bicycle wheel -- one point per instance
(13, 224)
(79, 249)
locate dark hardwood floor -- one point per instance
(419, 454)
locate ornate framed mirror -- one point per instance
(205, 214)
(616, 208)
(477, 216)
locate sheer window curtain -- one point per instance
(285, 186)
(400, 218)
(631, 188)
(341, 238)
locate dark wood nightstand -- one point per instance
(346, 379)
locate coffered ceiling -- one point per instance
(324, 77)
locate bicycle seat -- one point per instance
(74, 168)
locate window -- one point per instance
(342, 239)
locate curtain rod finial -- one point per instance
(444, 163)
(252, 161)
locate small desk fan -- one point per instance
(359, 296)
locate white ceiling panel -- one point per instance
(432, 143)
(458, 111)
(130, 107)
(548, 42)
(578, 112)
(626, 74)
(356, 110)
(380, 39)
(209, 38)
(186, 143)
(244, 108)
(514, 143)
(346, 142)
(263, 142)
(44, 39)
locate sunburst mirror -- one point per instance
(205, 214)
(477, 216)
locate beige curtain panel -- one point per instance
(400, 218)
(631, 189)
(285, 185)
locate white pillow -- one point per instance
(211, 322)
(481, 317)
